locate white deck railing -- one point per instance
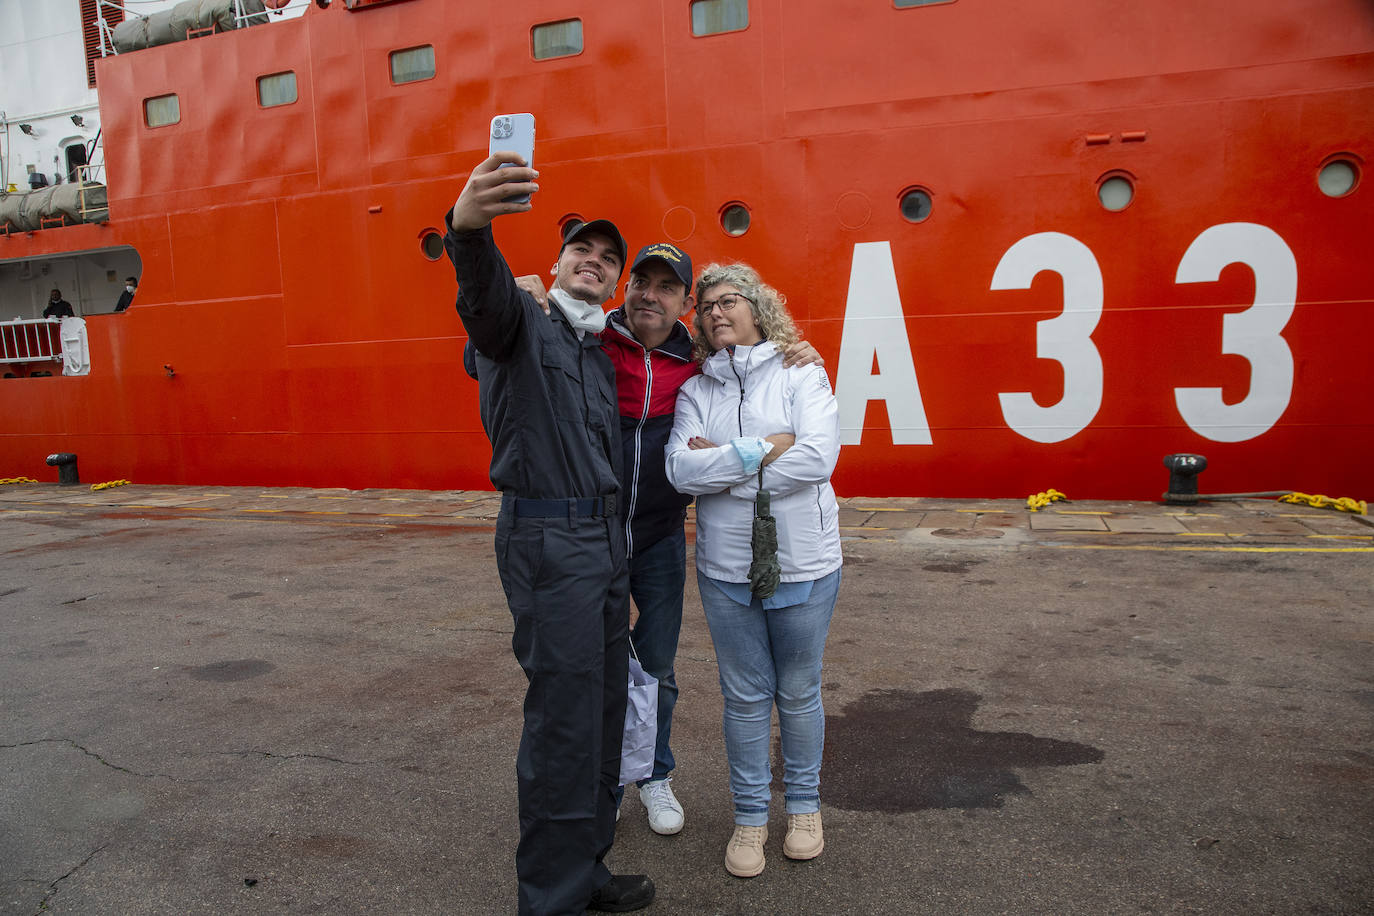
(30, 340)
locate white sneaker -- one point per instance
(665, 813)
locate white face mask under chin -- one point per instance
(581, 315)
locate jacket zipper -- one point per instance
(639, 449)
(739, 410)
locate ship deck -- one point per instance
(287, 700)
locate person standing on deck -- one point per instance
(547, 394)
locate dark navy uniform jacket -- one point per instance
(548, 400)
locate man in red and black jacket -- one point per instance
(652, 353)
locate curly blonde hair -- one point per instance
(768, 305)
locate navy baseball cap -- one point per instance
(577, 228)
(676, 259)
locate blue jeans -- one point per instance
(657, 577)
(767, 658)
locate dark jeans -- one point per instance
(657, 576)
(567, 586)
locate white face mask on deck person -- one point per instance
(581, 315)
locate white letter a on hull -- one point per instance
(874, 326)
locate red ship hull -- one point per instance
(289, 329)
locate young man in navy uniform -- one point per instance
(548, 404)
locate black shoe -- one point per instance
(622, 894)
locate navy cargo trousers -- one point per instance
(566, 581)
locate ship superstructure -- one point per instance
(1038, 245)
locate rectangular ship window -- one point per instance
(161, 110)
(710, 17)
(412, 64)
(556, 39)
(277, 89)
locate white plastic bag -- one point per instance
(641, 726)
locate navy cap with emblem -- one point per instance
(676, 259)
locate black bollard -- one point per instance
(65, 462)
(1183, 471)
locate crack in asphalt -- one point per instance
(272, 756)
(92, 754)
(52, 887)
(114, 766)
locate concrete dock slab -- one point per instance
(222, 700)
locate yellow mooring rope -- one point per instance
(17, 480)
(1341, 504)
(109, 483)
(1041, 500)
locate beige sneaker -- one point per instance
(744, 854)
(804, 839)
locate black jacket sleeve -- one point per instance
(489, 303)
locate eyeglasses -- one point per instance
(724, 303)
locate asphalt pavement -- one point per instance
(243, 700)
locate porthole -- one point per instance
(1115, 191)
(277, 89)
(410, 65)
(161, 110)
(556, 39)
(432, 244)
(711, 17)
(1338, 176)
(734, 218)
(566, 220)
(916, 205)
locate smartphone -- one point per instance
(514, 133)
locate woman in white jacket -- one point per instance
(748, 423)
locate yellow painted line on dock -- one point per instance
(263, 510)
(1206, 534)
(32, 512)
(333, 497)
(1195, 514)
(1236, 549)
(321, 512)
(1344, 537)
(401, 514)
(273, 496)
(1082, 512)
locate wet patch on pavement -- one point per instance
(898, 751)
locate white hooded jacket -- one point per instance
(744, 394)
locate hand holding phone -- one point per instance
(513, 133)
